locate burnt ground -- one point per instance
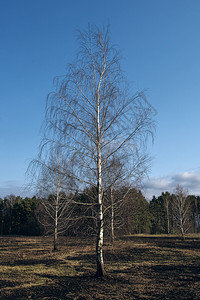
(137, 267)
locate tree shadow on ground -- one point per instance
(77, 287)
(6, 283)
(144, 282)
(165, 241)
(30, 262)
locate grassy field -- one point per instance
(138, 267)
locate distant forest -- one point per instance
(166, 214)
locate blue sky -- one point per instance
(160, 43)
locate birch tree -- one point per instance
(118, 176)
(93, 115)
(167, 199)
(54, 188)
(181, 210)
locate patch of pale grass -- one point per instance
(34, 275)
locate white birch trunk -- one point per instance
(167, 213)
(56, 225)
(57, 206)
(99, 245)
(112, 215)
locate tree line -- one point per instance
(168, 213)
(30, 216)
(175, 213)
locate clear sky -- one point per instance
(160, 43)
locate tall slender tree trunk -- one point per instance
(168, 222)
(2, 225)
(182, 228)
(99, 245)
(55, 247)
(195, 216)
(112, 215)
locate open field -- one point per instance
(138, 267)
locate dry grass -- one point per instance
(138, 267)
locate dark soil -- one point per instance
(137, 267)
